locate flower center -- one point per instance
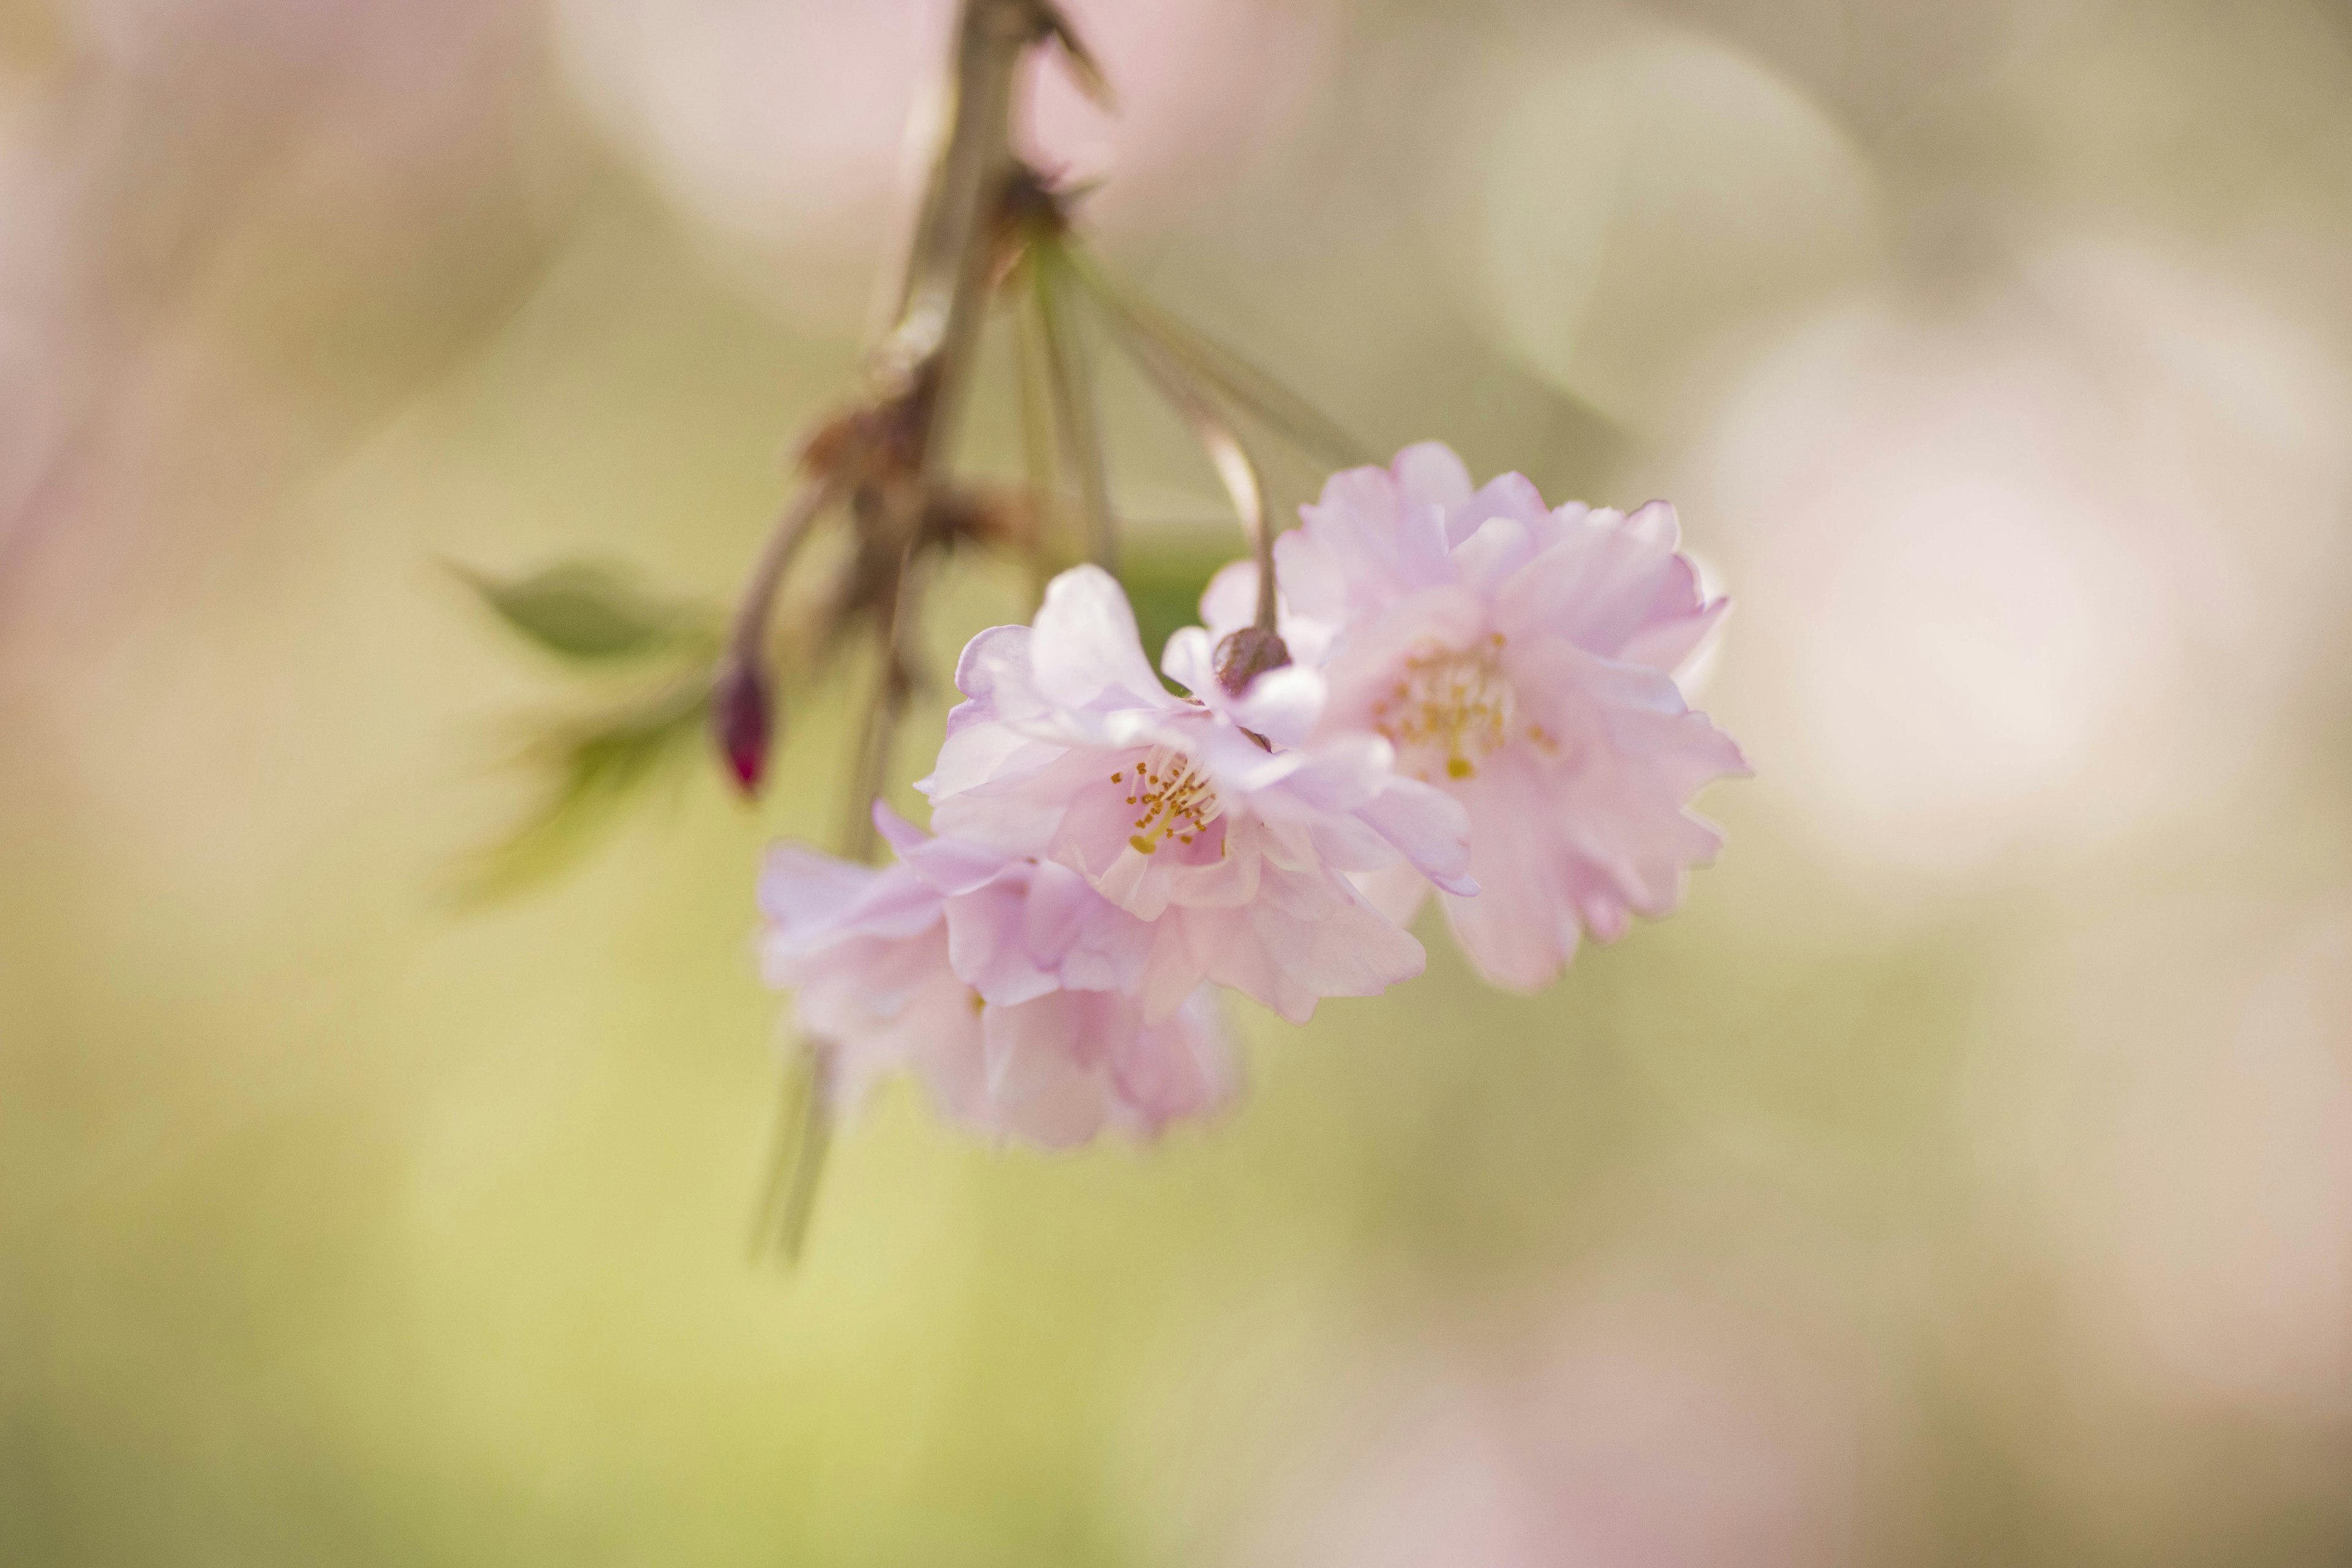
(1448, 708)
(1171, 799)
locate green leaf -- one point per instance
(592, 768)
(585, 611)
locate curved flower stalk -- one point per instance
(1521, 659)
(1212, 818)
(1004, 984)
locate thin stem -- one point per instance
(917, 370)
(749, 631)
(928, 355)
(1226, 455)
(927, 358)
(1034, 360)
(1254, 389)
(1073, 404)
(878, 737)
(796, 1161)
(920, 369)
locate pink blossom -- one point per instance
(1005, 985)
(1209, 818)
(1521, 659)
(865, 952)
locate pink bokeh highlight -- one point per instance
(786, 122)
(1637, 1424)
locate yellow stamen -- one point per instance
(1175, 801)
(1450, 710)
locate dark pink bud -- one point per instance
(740, 722)
(1246, 655)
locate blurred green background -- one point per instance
(1964, 1176)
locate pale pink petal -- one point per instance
(946, 865)
(1519, 931)
(1668, 642)
(1086, 652)
(933, 1030)
(1608, 581)
(1496, 548)
(1350, 782)
(1512, 495)
(1238, 762)
(988, 949)
(1371, 538)
(896, 830)
(1090, 945)
(1045, 1081)
(978, 751)
(1313, 575)
(1173, 1071)
(1429, 827)
(1281, 705)
(864, 949)
(1307, 935)
(1020, 808)
(811, 897)
(1172, 972)
(1062, 1068)
(1397, 892)
(1190, 660)
(1230, 601)
(1431, 619)
(994, 673)
(1655, 524)
(1432, 474)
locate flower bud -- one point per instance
(1247, 654)
(740, 717)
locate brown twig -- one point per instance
(890, 453)
(921, 369)
(927, 356)
(878, 732)
(750, 630)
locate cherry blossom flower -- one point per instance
(1521, 659)
(1005, 985)
(1207, 817)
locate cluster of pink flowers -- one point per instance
(1481, 700)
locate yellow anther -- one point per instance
(1174, 801)
(1450, 710)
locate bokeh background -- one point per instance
(1964, 1177)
